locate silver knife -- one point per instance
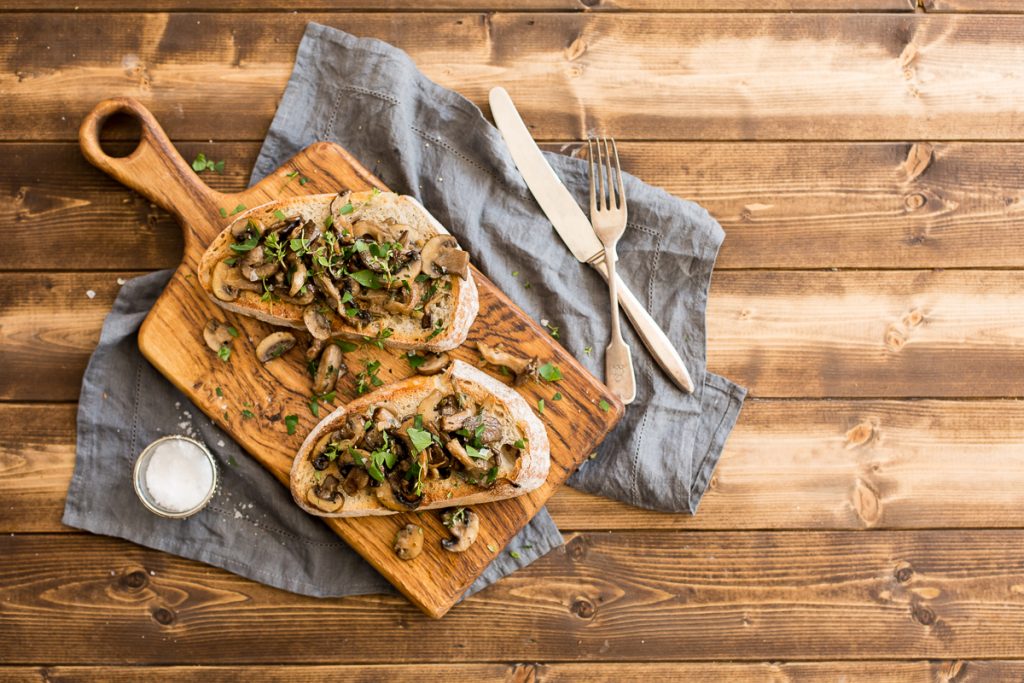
(575, 229)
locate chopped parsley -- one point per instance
(437, 330)
(367, 278)
(456, 517)
(477, 454)
(378, 340)
(248, 414)
(201, 164)
(490, 546)
(232, 331)
(223, 212)
(279, 214)
(540, 405)
(414, 360)
(604, 405)
(368, 377)
(549, 372)
(420, 438)
(247, 245)
(219, 392)
(238, 209)
(347, 209)
(346, 346)
(552, 330)
(587, 350)
(224, 353)
(520, 443)
(291, 422)
(557, 396)
(514, 555)
(315, 400)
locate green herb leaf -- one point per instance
(224, 353)
(293, 174)
(604, 405)
(238, 209)
(520, 443)
(552, 330)
(540, 405)
(279, 214)
(248, 414)
(513, 554)
(481, 454)
(492, 474)
(232, 331)
(247, 245)
(199, 163)
(414, 360)
(588, 350)
(347, 209)
(557, 396)
(346, 346)
(490, 546)
(223, 212)
(367, 278)
(329, 221)
(515, 273)
(437, 330)
(291, 422)
(219, 166)
(420, 438)
(303, 180)
(219, 392)
(550, 372)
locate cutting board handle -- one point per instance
(155, 169)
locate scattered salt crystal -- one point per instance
(152, 573)
(178, 476)
(220, 443)
(238, 515)
(121, 280)
(91, 294)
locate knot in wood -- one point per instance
(163, 616)
(915, 201)
(576, 549)
(583, 608)
(135, 580)
(904, 572)
(922, 615)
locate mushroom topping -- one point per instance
(450, 423)
(397, 495)
(329, 290)
(522, 368)
(298, 278)
(328, 369)
(245, 228)
(314, 348)
(274, 345)
(409, 542)
(217, 335)
(464, 525)
(316, 322)
(428, 407)
(437, 248)
(220, 282)
(384, 419)
(459, 451)
(356, 480)
(434, 363)
(253, 268)
(325, 495)
(413, 266)
(491, 431)
(453, 261)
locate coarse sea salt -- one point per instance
(179, 476)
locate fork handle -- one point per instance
(653, 337)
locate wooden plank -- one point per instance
(561, 672)
(790, 334)
(1000, 6)
(787, 465)
(638, 76)
(782, 205)
(466, 5)
(605, 597)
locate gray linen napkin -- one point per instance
(252, 527)
(427, 141)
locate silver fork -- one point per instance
(608, 216)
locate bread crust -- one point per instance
(531, 470)
(465, 295)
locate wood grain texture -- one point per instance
(960, 671)
(604, 597)
(786, 334)
(782, 205)
(469, 5)
(171, 339)
(787, 465)
(809, 76)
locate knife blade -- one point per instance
(575, 229)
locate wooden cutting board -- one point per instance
(250, 400)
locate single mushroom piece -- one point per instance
(408, 272)
(325, 495)
(464, 525)
(491, 427)
(428, 407)
(274, 345)
(221, 282)
(523, 368)
(298, 278)
(455, 261)
(409, 542)
(316, 322)
(217, 335)
(330, 291)
(314, 348)
(450, 423)
(437, 247)
(328, 369)
(355, 481)
(433, 363)
(384, 419)
(395, 494)
(472, 466)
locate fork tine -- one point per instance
(608, 174)
(593, 193)
(618, 173)
(601, 202)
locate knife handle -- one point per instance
(653, 337)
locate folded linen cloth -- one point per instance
(431, 143)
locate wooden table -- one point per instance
(863, 156)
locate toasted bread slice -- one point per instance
(511, 452)
(437, 324)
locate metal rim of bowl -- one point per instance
(144, 497)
